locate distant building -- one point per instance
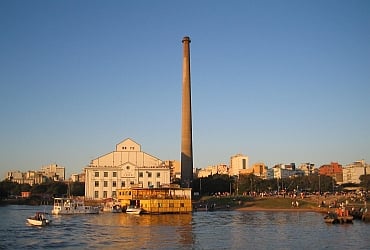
(54, 172)
(175, 169)
(237, 163)
(282, 171)
(29, 177)
(352, 172)
(125, 167)
(78, 177)
(212, 170)
(258, 169)
(334, 170)
(308, 168)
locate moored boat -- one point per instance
(72, 206)
(39, 219)
(133, 210)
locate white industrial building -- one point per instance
(127, 166)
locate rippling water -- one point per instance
(201, 230)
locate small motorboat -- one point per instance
(39, 219)
(133, 210)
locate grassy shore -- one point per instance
(260, 204)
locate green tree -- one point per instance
(77, 188)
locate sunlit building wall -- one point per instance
(127, 166)
(237, 163)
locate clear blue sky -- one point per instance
(279, 81)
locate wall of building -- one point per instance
(124, 168)
(238, 162)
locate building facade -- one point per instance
(125, 167)
(258, 169)
(352, 172)
(334, 170)
(30, 177)
(54, 172)
(212, 170)
(237, 163)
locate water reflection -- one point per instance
(201, 230)
(144, 231)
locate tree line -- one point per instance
(214, 184)
(246, 184)
(46, 190)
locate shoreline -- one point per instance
(261, 209)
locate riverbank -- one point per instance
(269, 203)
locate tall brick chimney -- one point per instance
(186, 131)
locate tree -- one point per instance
(365, 181)
(77, 188)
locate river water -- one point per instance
(200, 230)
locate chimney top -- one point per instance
(186, 38)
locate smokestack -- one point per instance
(186, 132)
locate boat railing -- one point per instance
(166, 197)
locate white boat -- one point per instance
(133, 210)
(39, 219)
(72, 206)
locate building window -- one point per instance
(105, 194)
(149, 174)
(128, 167)
(105, 184)
(96, 183)
(150, 184)
(114, 183)
(158, 175)
(105, 174)
(96, 174)
(141, 174)
(244, 163)
(123, 184)
(96, 194)
(132, 183)
(114, 174)
(114, 194)
(158, 184)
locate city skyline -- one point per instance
(279, 81)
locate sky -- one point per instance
(279, 81)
